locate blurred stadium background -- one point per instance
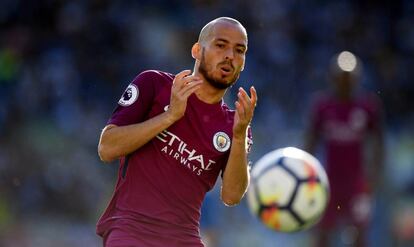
(64, 64)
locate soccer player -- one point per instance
(174, 136)
(349, 123)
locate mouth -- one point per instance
(226, 69)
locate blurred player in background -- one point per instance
(174, 136)
(349, 124)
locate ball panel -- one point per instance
(289, 223)
(279, 220)
(310, 201)
(297, 159)
(275, 186)
(271, 218)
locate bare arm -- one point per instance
(236, 176)
(118, 141)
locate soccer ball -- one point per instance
(289, 190)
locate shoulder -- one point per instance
(154, 76)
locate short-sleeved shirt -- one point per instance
(344, 126)
(161, 186)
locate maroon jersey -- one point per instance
(161, 185)
(343, 125)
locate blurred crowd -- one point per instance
(64, 64)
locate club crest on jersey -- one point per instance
(221, 141)
(130, 95)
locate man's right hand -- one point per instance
(184, 85)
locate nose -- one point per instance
(229, 55)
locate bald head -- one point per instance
(209, 28)
(220, 52)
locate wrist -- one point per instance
(169, 118)
(239, 138)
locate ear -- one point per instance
(196, 51)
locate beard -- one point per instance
(216, 81)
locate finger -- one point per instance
(191, 78)
(189, 86)
(249, 102)
(183, 82)
(253, 95)
(244, 101)
(240, 110)
(243, 97)
(191, 89)
(183, 74)
(178, 77)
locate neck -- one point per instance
(207, 93)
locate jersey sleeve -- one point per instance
(136, 101)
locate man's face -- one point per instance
(223, 55)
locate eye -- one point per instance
(220, 45)
(240, 51)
